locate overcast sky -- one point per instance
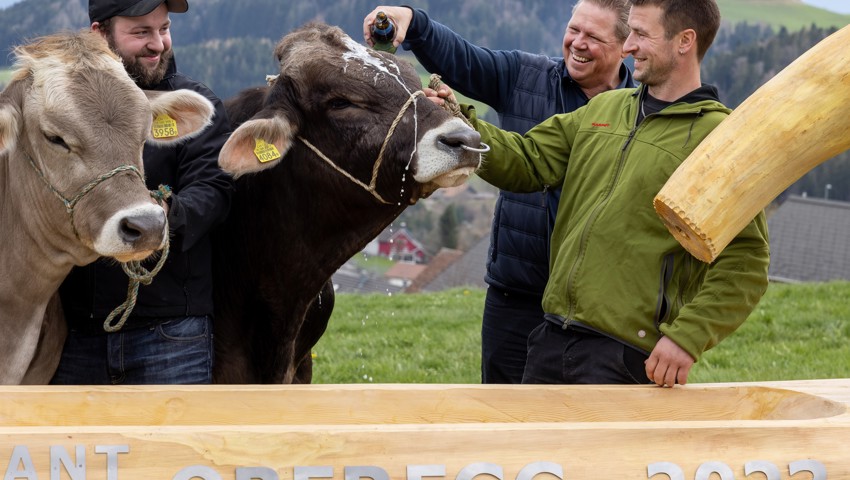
(840, 6)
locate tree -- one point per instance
(448, 226)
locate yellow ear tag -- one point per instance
(265, 152)
(164, 127)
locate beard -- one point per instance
(144, 77)
(148, 77)
(657, 72)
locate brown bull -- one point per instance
(357, 143)
(72, 128)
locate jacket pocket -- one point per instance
(662, 306)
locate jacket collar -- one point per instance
(705, 92)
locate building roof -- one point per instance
(405, 270)
(350, 279)
(455, 269)
(810, 240)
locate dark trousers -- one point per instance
(580, 356)
(508, 319)
(173, 351)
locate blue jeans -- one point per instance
(175, 350)
(579, 356)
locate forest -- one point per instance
(229, 44)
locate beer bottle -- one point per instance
(383, 33)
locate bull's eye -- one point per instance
(58, 141)
(339, 104)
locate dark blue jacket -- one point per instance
(524, 89)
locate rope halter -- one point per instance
(371, 188)
(134, 270)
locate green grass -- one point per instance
(793, 15)
(375, 264)
(5, 75)
(410, 338)
(797, 332)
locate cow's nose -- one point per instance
(466, 138)
(143, 231)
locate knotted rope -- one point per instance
(450, 104)
(138, 274)
(372, 187)
(72, 203)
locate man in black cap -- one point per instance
(168, 337)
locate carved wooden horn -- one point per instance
(790, 125)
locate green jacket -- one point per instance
(614, 267)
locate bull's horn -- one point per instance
(793, 123)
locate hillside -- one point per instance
(791, 14)
(228, 44)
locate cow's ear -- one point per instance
(178, 115)
(10, 115)
(256, 145)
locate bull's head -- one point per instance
(77, 123)
(358, 112)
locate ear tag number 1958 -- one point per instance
(265, 152)
(164, 127)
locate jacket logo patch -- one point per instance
(603, 125)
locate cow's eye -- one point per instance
(339, 104)
(57, 140)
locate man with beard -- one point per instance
(625, 302)
(168, 338)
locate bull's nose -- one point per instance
(465, 138)
(143, 231)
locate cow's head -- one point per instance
(357, 113)
(72, 128)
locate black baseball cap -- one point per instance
(100, 10)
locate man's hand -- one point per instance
(440, 95)
(401, 16)
(668, 364)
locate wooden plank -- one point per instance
(423, 431)
(400, 404)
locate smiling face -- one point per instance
(144, 44)
(655, 55)
(592, 51)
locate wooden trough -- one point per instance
(781, 430)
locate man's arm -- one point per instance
(527, 163)
(479, 73)
(202, 191)
(732, 288)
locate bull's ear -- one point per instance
(178, 115)
(10, 121)
(10, 115)
(256, 145)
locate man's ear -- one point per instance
(687, 41)
(257, 145)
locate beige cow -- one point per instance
(72, 128)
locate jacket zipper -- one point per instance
(590, 220)
(683, 281)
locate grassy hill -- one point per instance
(792, 14)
